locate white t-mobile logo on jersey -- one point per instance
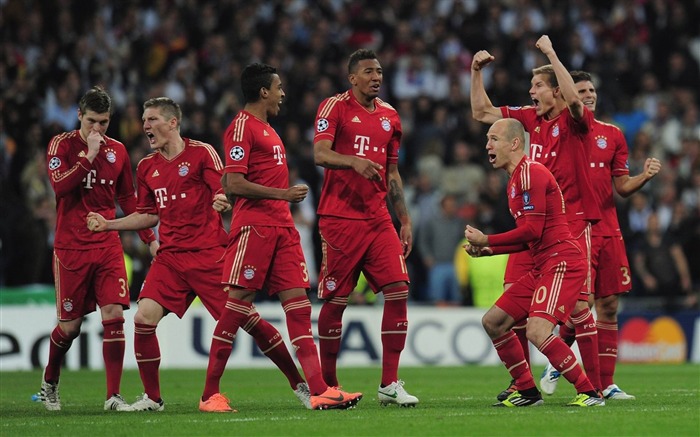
(161, 196)
(278, 154)
(90, 179)
(535, 152)
(361, 144)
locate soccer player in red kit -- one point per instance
(559, 126)
(357, 141)
(88, 170)
(179, 186)
(610, 271)
(548, 293)
(264, 249)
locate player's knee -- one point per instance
(70, 329)
(606, 308)
(492, 325)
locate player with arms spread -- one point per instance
(264, 249)
(559, 126)
(179, 186)
(88, 170)
(547, 294)
(357, 142)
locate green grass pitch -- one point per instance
(454, 401)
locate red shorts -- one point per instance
(550, 292)
(610, 269)
(519, 264)
(174, 280)
(353, 246)
(269, 257)
(87, 278)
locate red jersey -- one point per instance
(608, 158)
(354, 130)
(562, 144)
(81, 187)
(181, 191)
(254, 149)
(537, 205)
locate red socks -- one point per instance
(147, 353)
(587, 339)
(607, 348)
(60, 343)
(271, 343)
(567, 333)
(394, 329)
(330, 325)
(519, 329)
(232, 317)
(113, 345)
(511, 354)
(563, 359)
(298, 315)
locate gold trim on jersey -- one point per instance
(239, 127)
(330, 103)
(212, 153)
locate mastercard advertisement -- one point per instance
(652, 339)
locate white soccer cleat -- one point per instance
(394, 393)
(116, 402)
(549, 379)
(143, 403)
(303, 394)
(615, 392)
(49, 396)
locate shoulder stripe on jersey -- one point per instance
(381, 102)
(330, 103)
(525, 176)
(239, 127)
(53, 146)
(145, 158)
(212, 153)
(606, 124)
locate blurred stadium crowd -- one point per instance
(644, 54)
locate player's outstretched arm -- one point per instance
(566, 82)
(627, 185)
(133, 222)
(482, 108)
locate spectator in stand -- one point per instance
(663, 268)
(437, 240)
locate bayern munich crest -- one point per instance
(237, 153)
(111, 156)
(331, 285)
(555, 131)
(601, 142)
(184, 169)
(386, 124)
(54, 163)
(68, 305)
(321, 125)
(249, 272)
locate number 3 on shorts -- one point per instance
(305, 272)
(125, 289)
